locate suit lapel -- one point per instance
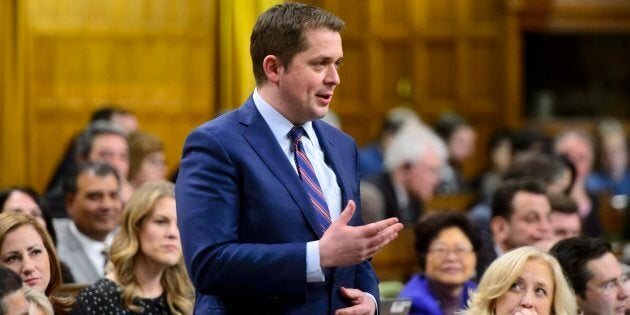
(333, 159)
(82, 261)
(261, 139)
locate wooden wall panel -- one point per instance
(357, 22)
(483, 58)
(431, 55)
(441, 70)
(13, 153)
(156, 58)
(353, 83)
(441, 13)
(391, 18)
(398, 74)
(485, 11)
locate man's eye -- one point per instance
(609, 285)
(531, 219)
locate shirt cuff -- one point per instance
(373, 299)
(313, 269)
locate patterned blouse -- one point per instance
(104, 297)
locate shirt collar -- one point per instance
(88, 243)
(280, 125)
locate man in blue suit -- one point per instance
(261, 189)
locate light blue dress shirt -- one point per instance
(280, 127)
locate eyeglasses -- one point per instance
(442, 252)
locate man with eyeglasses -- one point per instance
(595, 274)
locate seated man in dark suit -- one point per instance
(412, 161)
(597, 278)
(520, 217)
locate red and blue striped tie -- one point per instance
(309, 179)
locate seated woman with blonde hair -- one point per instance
(147, 273)
(523, 281)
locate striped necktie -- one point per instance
(105, 253)
(309, 179)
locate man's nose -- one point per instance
(545, 226)
(110, 203)
(622, 294)
(332, 76)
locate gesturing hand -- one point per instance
(361, 303)
(343, 245)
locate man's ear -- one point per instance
(404, 171)
(499, 227)
(272, 66)
(69, 198)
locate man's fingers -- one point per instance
(376, 243)
(347, 213)
(376, 227)
(359, 301)
(380, 240)
(351, 294)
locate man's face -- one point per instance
(306, 85)
(96, 206)
(112, 149)
(424, 176)
(15, 303)
(565, 225)
(605, 292)
(529, 223)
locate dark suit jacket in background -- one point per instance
(245, 219)
(407, 215)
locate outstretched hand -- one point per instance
(343, 245)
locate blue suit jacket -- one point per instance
(245, 219)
